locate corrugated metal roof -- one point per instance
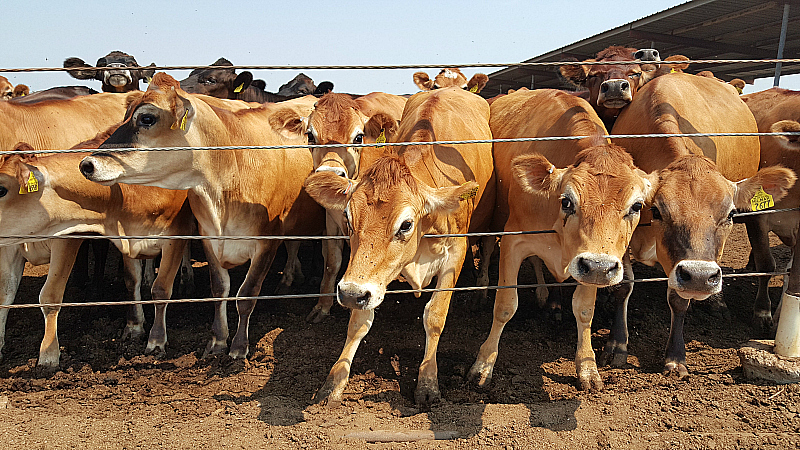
(698, 29)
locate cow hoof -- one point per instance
(156, 350)
(132, 333)
(326, 396)
(427, 394)
(215, 347)
(480, 374)
(236, 353)
(317, 315)
(676, 369)
(613, 355)
(589, 380)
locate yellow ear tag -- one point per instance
(183, 121)
(739, 90)
(761, 200)
(474, 89)
(31, 186)
(381, 139)
(672, 70)
(239, 88)
(469, 194)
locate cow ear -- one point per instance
(288, 123)
(242, 82)
(536, 174)
(477, 83)
(329, 189)
(21, 90)
(423, 82)
(775, 181)
(147, 74)
(576, 73)
(787, 142)
(446, 200)
(377, 124)
(259, 84)
(183, 112)
(28, 176)
(650, 184)
(81, 74)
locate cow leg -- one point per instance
(62, 258)
(171, 255)
(541, 292)
(676, 348)
(100, 251)
(259, 266)
(434, 318)
(293, 271)
(186, 284)
(487, 248)
(358, 327)
(513, 250)
(332, 254)
(82, 265)
(134, 328)
(149, 274)
(220, 288)
(583, 308)
(12, 264)
(615, 352)
(758, 234)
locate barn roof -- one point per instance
(698, 29)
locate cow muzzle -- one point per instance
(693, 279)
(118, 77)
(337, 170)
(615, 93)
(95, 168)
(358, 296)
(596, 269)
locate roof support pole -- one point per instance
(784, 25)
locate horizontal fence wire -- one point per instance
(411, 66)
(313, 296)
(394, 144)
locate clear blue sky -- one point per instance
(44, 33)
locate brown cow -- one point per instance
(339, 119)
(776, 110)
(60, 124)
(9, 91)
(611, 87)
(60, 201)
(451, 77)
(694, 203)
(240, 192)
(417, 189)
(588, 191)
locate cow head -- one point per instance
(386, 211)
(299, 85)
(692, 215)
(122, 73)
(161, 117)
(21, 189)
(611, 86)
(450, 77)
(336, 119)
(6, 89)
(219, 82)
(599, 199)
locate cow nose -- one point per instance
(698, 276)
(598, 269)
(588, 266)
(615, 88)
(353, 296)
(87, 167)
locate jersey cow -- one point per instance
(694, 202)
(9, 91)
(240, 192)
(587, 190)
(45, 195)
(121, 72)
(418, 189)
(340, 119)
(776, 110)
(450, 77)
(611, 86)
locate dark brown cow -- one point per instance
(587, 190)
(693, 206)
(611, 87)
(419, 189)
(241, 192)
(122, 73)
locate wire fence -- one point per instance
(16, 239)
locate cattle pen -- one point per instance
(107, 393)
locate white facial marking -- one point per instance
(450, 74)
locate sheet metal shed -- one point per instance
(698, 29)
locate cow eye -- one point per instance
(636, 207)
(209, 81)
(147, 120)
(311, 139)
(405, 227)
(359, 139)
(635, 75)
(567, 206)
(3, 191)
(656, 213)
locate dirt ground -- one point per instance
(108, 395)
